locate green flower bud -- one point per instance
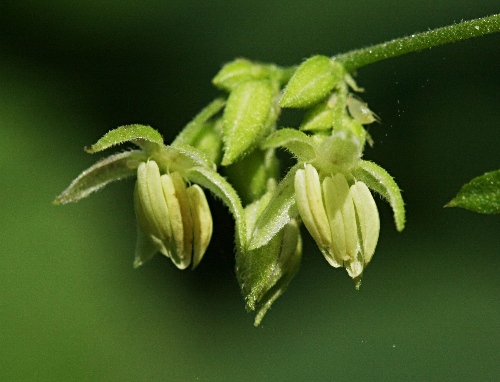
(236, 72)
(209, 141)
(289, 254)
(175, 219)
(246, 118)
(360, 111)
(343, 220)
(314, 79)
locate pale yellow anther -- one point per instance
(368, 217)
(152, 204)
(181, 259)
(310, 205)
(342, 218)
(202, 222)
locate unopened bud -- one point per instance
(314, 79)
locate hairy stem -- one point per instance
(467, 29)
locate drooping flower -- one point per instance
(343, 219)
(175, 218)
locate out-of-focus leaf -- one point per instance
(481, 194)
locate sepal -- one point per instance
(110, 169)
(143, 136)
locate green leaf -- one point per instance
(143, 136)
(191, 132)
(314, 79)
(246, 115)
(278, 212)
(219, 186)
(376, 178)
(107, 170)
(299, 144)
(481, 194)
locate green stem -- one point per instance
(467, 29)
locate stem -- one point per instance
(467, 29)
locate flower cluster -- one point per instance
(229, 148)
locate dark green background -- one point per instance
(73, 309)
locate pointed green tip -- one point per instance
(228, 159)
(357, 281)
(451, 203)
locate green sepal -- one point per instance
(193, 131)
(314, 79)
(320, 117)
(280, 210)
(246, 118)
(114, 167)
(209, 142)
(377, 179)
(143, 136)
(356, 128)
(481, 194)
(220, 187)
(301, 145)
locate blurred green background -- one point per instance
(73, 309)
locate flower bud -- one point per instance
(265, 273)
(360, 111)
(175, 219)
(246, 118)
(236, 72)
(314, 79)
